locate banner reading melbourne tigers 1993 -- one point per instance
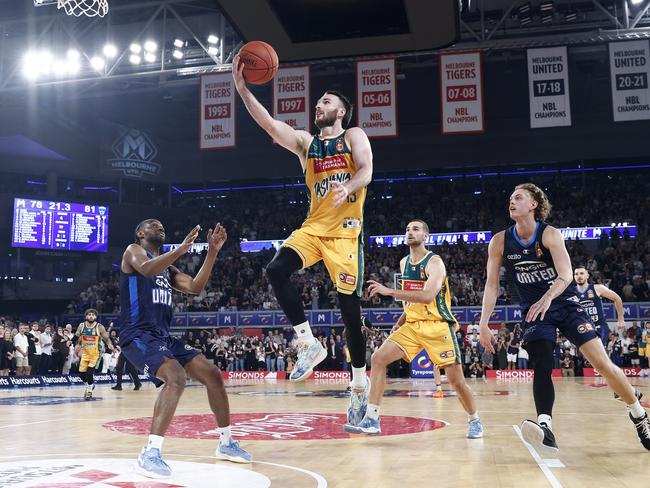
(630, 69)
(376, 97)
(461, 91)
(548, 87)
(217, 111)
(291, 101)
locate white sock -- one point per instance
(225, 436)
(373, 411)
(472, 416)
(155, 442)
(303, 331)
(438, 386)
(636, 410)
(544, 419)
(359, 378)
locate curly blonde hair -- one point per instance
(543, 209)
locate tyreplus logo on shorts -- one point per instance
(273, 426)
(134, 153)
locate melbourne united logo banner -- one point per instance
(134, 153)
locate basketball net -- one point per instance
(89, 8)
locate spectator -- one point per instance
(21, 344)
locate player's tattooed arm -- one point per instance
(295, 141)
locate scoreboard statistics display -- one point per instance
(60, 226)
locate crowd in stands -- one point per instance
(239, 282)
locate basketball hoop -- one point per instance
(89, 8)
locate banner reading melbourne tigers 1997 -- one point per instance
(291, 101)
(548, 87)
(376, 100)
(217, 111)
(630, 69)
(461, 90)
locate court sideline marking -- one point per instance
(542, 463)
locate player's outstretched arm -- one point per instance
(193, 286)
(362, 155)
(491, 292)
(295, 141)
(135, 257)
(605, 292)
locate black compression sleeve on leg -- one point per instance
(279, 271)
(351, 313)
(541, 354)
(90, 378)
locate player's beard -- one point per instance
(328, 120)
(91, 322)
(155, 240)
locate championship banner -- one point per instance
(376, 97)
(217, 111)
(461, 92)
(630, 68)
(548, 87)
(291, 100)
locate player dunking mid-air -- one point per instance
(337, 164)
(91, 333)
(427, 323)
(147, 279)
(536, 258)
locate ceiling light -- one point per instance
(178, 43)
(177, 53)
(110, 51)
(135, 59)
(150, 57)
(212, 39)
(97, 63)
(135, 48)
(150, 46)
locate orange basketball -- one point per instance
(260, 62)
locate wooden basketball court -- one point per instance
(294, 433)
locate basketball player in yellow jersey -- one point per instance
(337, 164)
(90, 332)
(427, 323)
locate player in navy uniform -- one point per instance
(536, 258)
(590, 297)
(146, 282)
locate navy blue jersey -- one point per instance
(146, 304)
(592, 304)
(531, 267)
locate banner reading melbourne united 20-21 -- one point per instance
(217, 111)
(376, 102)
(548, 87)
(291, 102)
(630, 68)
(461, 93)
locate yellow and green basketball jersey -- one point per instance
(90, 338)
(413, 278)
(330, 159)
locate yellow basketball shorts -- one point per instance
(342, 256)
(437, 338)
(87, 361)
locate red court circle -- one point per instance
(273, 426)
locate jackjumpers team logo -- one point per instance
(272, 426)
(134, 153)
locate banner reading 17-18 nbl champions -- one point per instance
(548, 87)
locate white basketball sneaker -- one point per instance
(309, 356)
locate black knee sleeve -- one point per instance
(90, 376)
(541, 355)
(351, 314)
(279, 271)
